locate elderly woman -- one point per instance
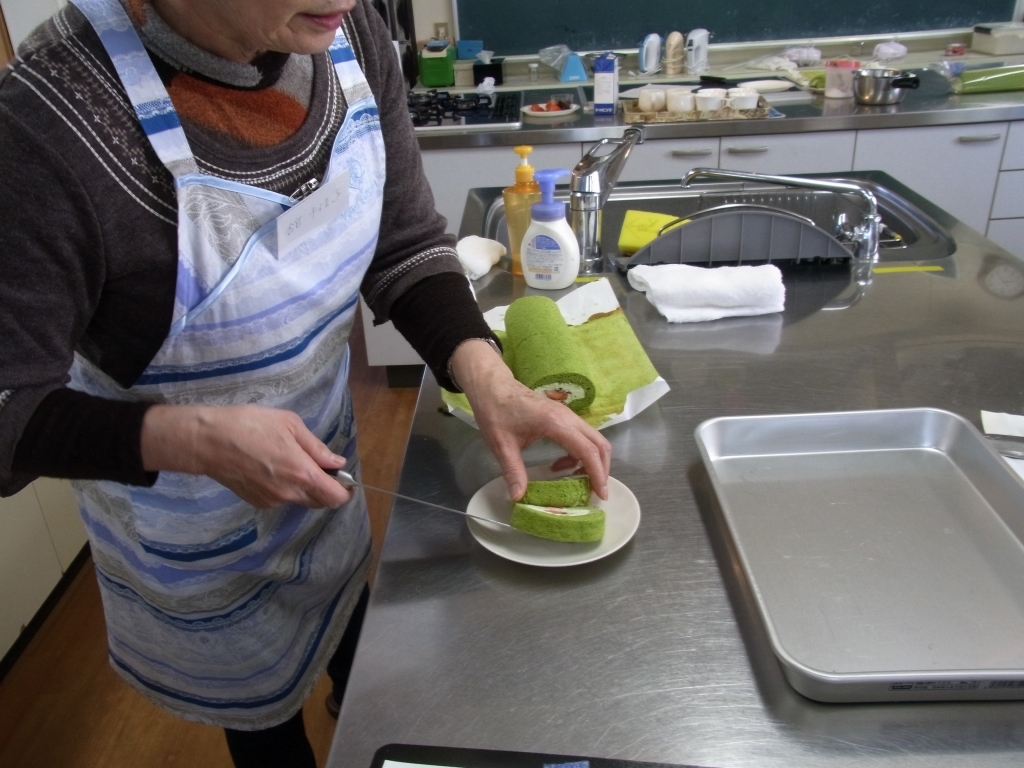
(195, 193)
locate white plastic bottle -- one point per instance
(551, 255)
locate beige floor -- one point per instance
(62, 706)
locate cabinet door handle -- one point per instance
(691, 152)
(746, 150)
(978, 139)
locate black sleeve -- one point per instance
(76, 435)
(446, 296)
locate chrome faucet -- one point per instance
(592, 181)
(864, 236)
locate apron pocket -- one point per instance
(193, 522)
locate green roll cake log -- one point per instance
(565, 492)
(546, 357)
(575, 525)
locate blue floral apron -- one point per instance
(217, 611)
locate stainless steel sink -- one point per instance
(908, 232)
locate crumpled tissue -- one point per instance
(478, 254)
(685, 294)
(889, 51)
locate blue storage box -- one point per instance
(468, 49)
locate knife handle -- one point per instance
(342, 477)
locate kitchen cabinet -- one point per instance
(63, 520)
(1009, 200)
(1006, 223)
(453, 172)
(41, 533)
(954, 165)
(819, 152)
(1013, 157)
(1008, 233)
(669, 158)
(29, 567)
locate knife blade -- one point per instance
(348, 481)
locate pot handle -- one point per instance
(906, 81)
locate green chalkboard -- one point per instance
(526, 26)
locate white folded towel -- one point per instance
(478, 254)
(685, 294)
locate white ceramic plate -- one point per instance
(622, 518)
(768, 86)
(557, 113)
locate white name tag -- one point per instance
(328, 202)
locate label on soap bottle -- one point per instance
(543, 258)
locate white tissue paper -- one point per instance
(1008, 424)
(685, 294)
(485, 56)
(478, 254)
(803, 56)
(889, 51)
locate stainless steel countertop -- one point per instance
(931, 104)
(655, 653)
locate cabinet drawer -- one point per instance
(659, 159)
(1013, 157)
(1009, 202)
(1009, 233)
(453, 172)
(954, 166)
(791, 153)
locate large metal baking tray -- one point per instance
(882, 548)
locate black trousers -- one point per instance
(286, 745)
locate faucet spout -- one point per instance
(592, 182)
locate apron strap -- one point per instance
(350, 76)
(145, 90)
(149, 98)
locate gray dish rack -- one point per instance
(759, 226)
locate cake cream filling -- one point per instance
(562, 391)
(559, 511)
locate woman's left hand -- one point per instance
(511, 416)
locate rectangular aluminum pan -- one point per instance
(882, 548)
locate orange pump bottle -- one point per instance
(518, 199)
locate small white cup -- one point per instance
(652, 99)
(743, 98)
(710, 99)
(679, 100)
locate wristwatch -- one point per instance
(448, 368)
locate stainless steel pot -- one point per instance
(882, 86)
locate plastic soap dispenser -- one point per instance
(518, 199)
(551, 255)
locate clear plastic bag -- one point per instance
(555, 56)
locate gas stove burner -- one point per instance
(425, 114)
(441, 109)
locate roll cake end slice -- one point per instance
(576, 525)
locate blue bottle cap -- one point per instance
(547, 209)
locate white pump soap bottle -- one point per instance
(551, 255)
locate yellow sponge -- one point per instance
(640, 227)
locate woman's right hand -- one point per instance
(265, 455)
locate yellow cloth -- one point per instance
(640, 227)
(617, 361)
